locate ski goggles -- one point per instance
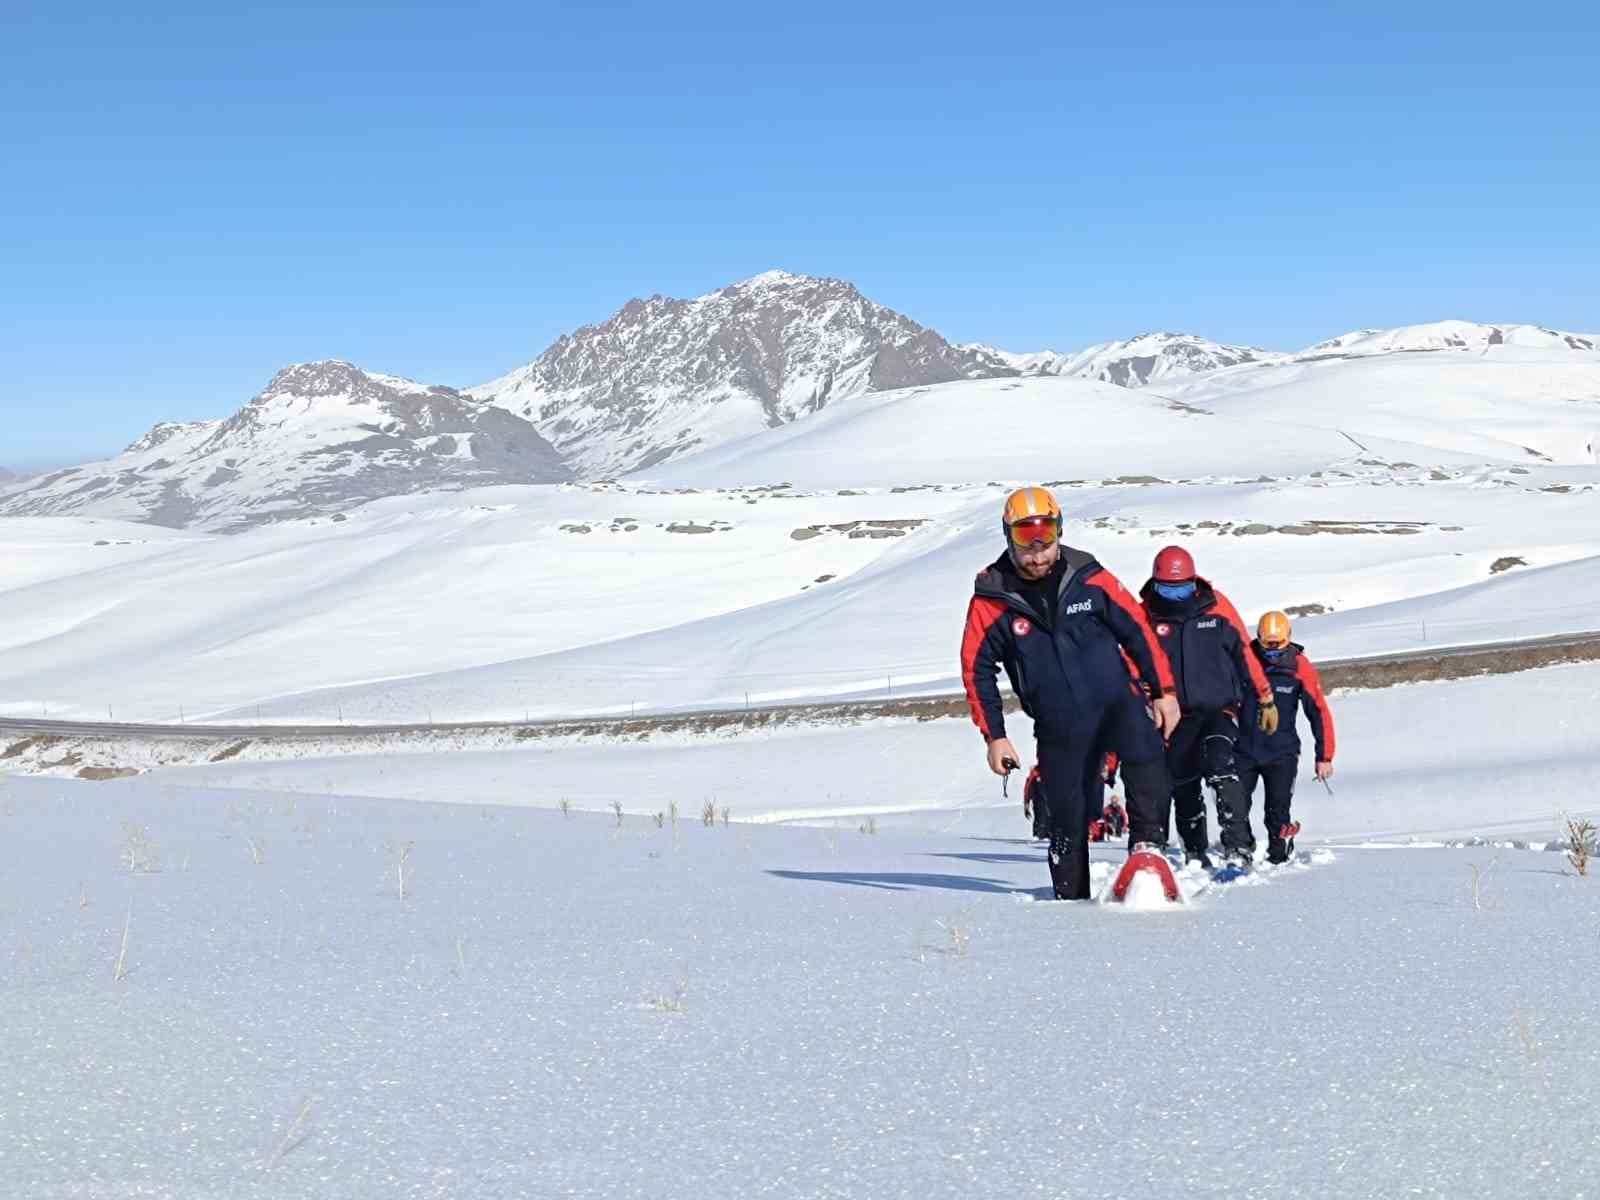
(1030, 531)
(1175, 591)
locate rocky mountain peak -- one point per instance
(664, 376)
(321, 438)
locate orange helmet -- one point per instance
(1273, 629)
(1031, 515)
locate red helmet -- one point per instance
(1173, 565)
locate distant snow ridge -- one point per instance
(1149, 358)
(1446, 335)
(323, 437)
(663, 377)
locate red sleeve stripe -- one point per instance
(1112, 586)
(982, 613)
(1312, 682)
(1252, 664)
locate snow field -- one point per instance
(1496, 756)
(560, 1006)
(497, 605)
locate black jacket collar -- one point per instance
(1181, 610)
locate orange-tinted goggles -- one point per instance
(1034, 530)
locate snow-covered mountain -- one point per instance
(663, 377)
(1446, 335)
(1148, 358)
(322, 438)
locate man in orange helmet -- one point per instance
(1066, 631)
(1208, 646)
(1274, 758)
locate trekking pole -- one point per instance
(1327, 785)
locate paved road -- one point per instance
(1448, 662)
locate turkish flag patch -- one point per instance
(1163, 630)
(1022, 627)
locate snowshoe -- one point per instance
(1145, 858)
(1236, 865)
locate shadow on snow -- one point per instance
(900, 881)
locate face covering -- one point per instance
(1273, 652)
(1175, 591)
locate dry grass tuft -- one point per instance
(140, 854)
(293, 1136)
(1582, 843)
(672, 1005)
(121, 971)
(400, 860)
(960, 938)
(1480, 876)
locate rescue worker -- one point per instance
(1066, 632)
(1274, 758)
(1214, 672)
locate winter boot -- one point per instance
(1233, 817)
(1069, 867)
(1280, 845)
(1197, 854)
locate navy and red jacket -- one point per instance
(1295, 682)
(1066, 676)
(1208, 646)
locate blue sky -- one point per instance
(198, 194)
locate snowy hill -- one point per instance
(1506, 393)
(321, 439)
(1405, 495)
(1149, 358)
(663, 377)
(1447, 335)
